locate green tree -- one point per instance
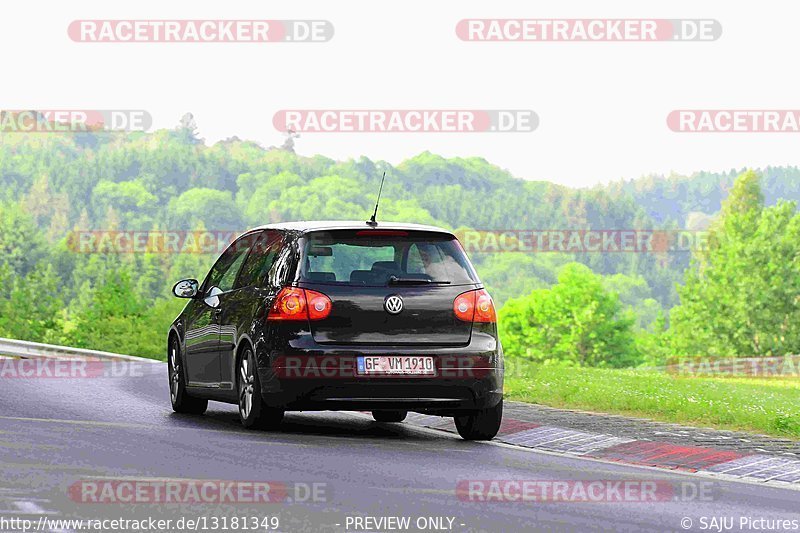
(509, 275)
(130, 198)
(110, 317)
(740, 298)
(32, 308)
(210, 207)
(636, 295)
(576, 321)
(22, 243)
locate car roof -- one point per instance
(323, 225)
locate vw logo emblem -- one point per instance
(393, 304)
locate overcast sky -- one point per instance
(602, 106)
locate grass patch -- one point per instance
(770, 407)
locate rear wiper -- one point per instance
(396, 280)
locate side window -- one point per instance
(261, 258)
(415, 263)
(227, 281)
(427, 258)
(284, 262)
(224, 271)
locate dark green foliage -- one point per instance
(169, 180)
(576, 322)
(742, 295)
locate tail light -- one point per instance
(474, 306)
(293, 303)
(464, 306)
(484, 308)
(319, 305)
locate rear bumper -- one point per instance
(325, 377)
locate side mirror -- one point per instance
(186, 288)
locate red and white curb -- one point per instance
(699, 459)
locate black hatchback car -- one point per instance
(389, 318)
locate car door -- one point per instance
(202, 319)
(239, 305)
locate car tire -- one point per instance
(178, 395)
(481, 424)
(253, 412)
(389, 416)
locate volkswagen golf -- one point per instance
(387, 318)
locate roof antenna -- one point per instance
(371, 222)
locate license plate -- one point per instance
(396, 365)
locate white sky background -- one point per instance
(602, 106)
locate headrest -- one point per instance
(322, 276)
(362, 276)
(390, 266)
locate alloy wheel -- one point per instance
(246, 384)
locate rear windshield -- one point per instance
(378, 258)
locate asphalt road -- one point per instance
(55, 432)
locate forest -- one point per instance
(737, 295)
